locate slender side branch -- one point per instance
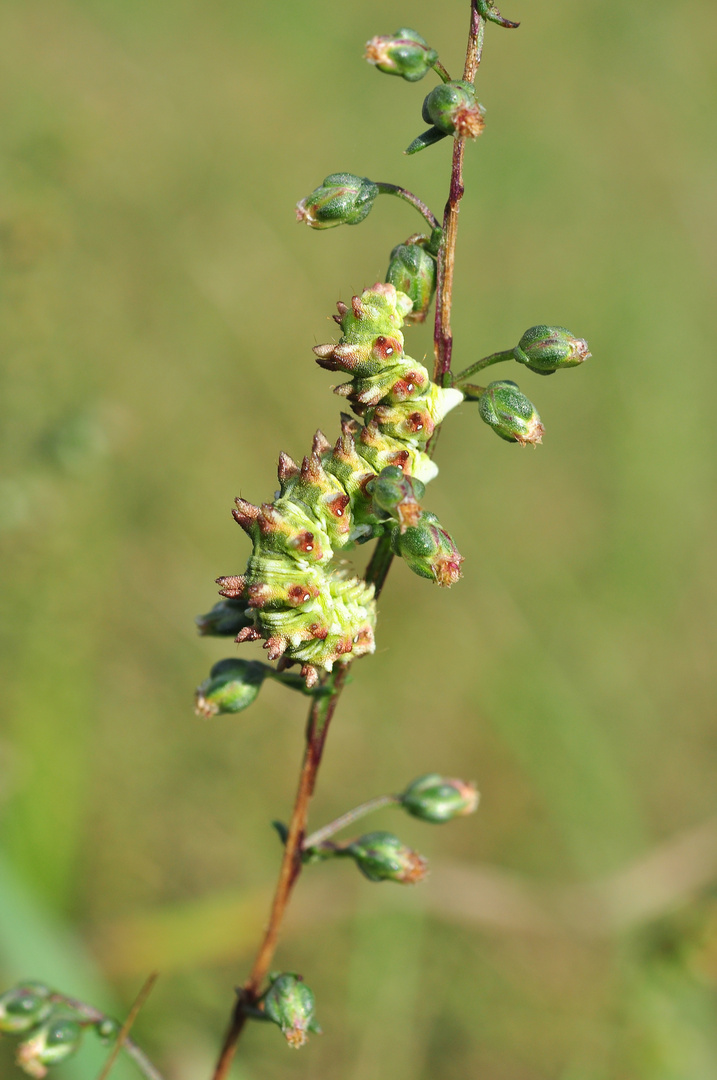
(487, 361)
(348, 818)
(409, 197)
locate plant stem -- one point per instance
(324, 705)
(441, 71)
(409, 197)
(494, 358)
(348, 818)
(319, 719)
(443, 333)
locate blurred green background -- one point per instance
(158, 306)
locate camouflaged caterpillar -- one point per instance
(307, 611)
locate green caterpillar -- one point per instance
(307, 611)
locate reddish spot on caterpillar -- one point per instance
(297, 594)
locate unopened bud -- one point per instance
(396, 494)
(232, 686)
(437, 799)
(108, 1029)
(404, 53)
(544, 349)
(226, 619)
(24, 1006)
(290, 1003)
(452, 107)
(342, 199)
(57, 1039)
(381, 856)
(412, 270)
(510, 413)
(429, 550)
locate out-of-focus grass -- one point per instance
(157, 309)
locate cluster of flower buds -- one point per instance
(289, 1003)
(50, 1033)
(381, 856)
(404, 53)
(342, 199)
(438, 799)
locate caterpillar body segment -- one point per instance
(307, 611)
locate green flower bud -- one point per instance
(290, 1003)
(413, 271)
(226, 619)
(544, 349)
(453, 109)
(342, 199)
(404, 53)
(232, 686)
(510, 413)
(57, 1039)
(108, 1029)
(437, 799)
(396, 494)
(24, 1006)
(381, 856)
(429, 550)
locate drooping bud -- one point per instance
(453, 108)
(381, 856)
(24, 1006)
(429, 550)
(342, 199)
(404, 53)
(226, 619)
(55, 1041)
(232, 686)
(544, 349)
(412, 270)
(290, 1003)
(510, 413)
(437, 799)
(396, 494)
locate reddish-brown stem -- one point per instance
(443, 333)
(324, 704)
(317, 726)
